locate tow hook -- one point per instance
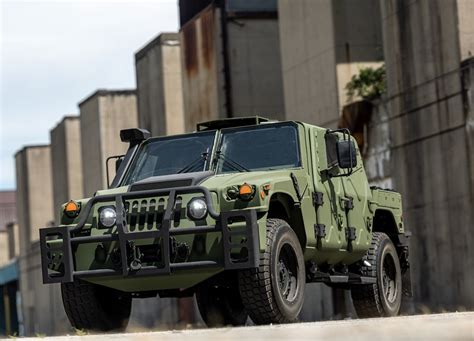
(136, 263)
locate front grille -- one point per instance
(145, 214)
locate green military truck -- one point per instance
(241, 213)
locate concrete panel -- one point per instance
(13, 240)
(324, 43)
(66, 161)
(103, 115)
(7, 208)
(4, 251)
(201, 50)
(466, 27)
(159, 85)
(255, 68)
(430, 153)
(42, 308)
(34, 193)
(231, 66)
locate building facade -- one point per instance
(159, 86)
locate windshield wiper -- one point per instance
(234, 164)
(194, 163)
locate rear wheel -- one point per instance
(273, 293)
(384, 297)
(221, 306)
(94, 307)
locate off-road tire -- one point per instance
(93, 307)
(221, 306)
(371, 300)
(260, 288)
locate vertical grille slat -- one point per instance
(145, 215)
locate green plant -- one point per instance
(368, 84)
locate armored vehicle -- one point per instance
(241, 213)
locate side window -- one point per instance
(331, 153)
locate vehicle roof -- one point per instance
(241, 122)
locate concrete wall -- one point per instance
(4, 251)
(102, 116)
(324, 43)
(159, 86)
(430, 120)
(7, 208)
(34, 193)
(13, 240)
(35, 210)
(42, 307)
(66, 161)
(231, 66)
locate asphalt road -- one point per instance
(453, 326)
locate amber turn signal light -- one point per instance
(246, 192)
(72, 209)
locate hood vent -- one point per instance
(170, 181)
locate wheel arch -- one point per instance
(282, 206)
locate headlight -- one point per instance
(197, 209)
(108, 217)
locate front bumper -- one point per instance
(68, 239)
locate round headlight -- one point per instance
(197, 209)
(108, 217)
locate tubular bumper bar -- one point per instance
(164, 233)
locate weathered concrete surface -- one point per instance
(428, 99)
(455, 326)
(231, 66)
(34, 198)
(13, 240)
(66, 161)
(324, 43)
(42, 307)
(4, 252)
(35, 210)
(103, 115)
(159, 86)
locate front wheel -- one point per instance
(95, 308)
(384, 297)
(221, 306)
(274, 292)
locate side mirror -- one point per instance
(346, 154)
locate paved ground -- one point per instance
(454, 326)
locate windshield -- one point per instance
(262, 148)
(172, 155)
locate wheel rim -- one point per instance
(389, 278)
(287, 273)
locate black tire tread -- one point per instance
(255, 284)
(86, 312)
(366, 298)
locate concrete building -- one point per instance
(13, 240)
(34, 197)
(323, 44)
(7, 208)
(231, 60)
(102, 116)
(35, 210)
(428, 47)
(159, 86)
(66, 161)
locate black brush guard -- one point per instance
(124, 236)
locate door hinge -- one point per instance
(351, 233)
(318, 199)
(347, 203)
(320, 230)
